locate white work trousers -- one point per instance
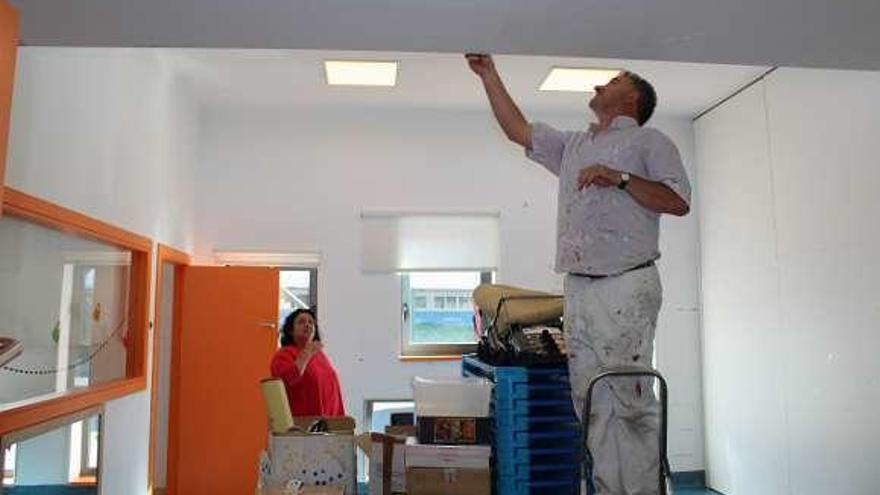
(611, 322)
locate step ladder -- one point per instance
(664, 480)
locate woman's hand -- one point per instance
(306, 353)
(313, 347)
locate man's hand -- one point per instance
(598, 175)
(480, 63)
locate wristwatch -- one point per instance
(624, 180)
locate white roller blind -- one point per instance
(399, 242)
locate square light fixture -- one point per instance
(580, 80)
(360, 73)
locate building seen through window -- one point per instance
(438, 307)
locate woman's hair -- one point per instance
(287, 327)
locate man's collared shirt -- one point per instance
(603, 230)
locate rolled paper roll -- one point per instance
(277, 407)
(521, 306)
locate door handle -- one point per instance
(267, 324)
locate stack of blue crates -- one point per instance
(536, 441)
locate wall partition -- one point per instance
(73, 301)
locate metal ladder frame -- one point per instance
(665, 474)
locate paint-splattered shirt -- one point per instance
(603, 230)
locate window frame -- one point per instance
(179, 260)
(411, 351)
(63, 421)
(9, 36)
(34, 411)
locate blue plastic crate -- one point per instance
(520, 422)
(557, 437)
(525, 390)
(536, 437)
(526, 474)
(519, 455)
(537, 485)
(562, 468)
(542, 407)
(471, 366)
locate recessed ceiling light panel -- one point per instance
(360, 73)
(577, 80)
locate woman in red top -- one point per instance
(311, 382)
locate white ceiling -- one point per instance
(432, 80)
(818, 33)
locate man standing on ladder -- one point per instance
(615, 180)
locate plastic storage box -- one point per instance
(453, 411)
(452, 397)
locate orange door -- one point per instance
(226, 341)
(8, 46)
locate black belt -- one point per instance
(637, 267)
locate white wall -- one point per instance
(298, 179)
(107, 132)
(789, 207)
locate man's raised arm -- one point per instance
(506, 112)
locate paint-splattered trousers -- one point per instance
(611, 322)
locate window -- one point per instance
(73, 295)
(298, 288)
(444, 326)
(84, 437)
(379, 414)
(9, 465)
(440, 257)
(66, 299)
(55, 454)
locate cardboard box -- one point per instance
(339, 424)
(317, 459)
(395, 460)
(448, 456)
(386, 454)
(306, 490)
(448, 481)
(448, 470)
(402, 430)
